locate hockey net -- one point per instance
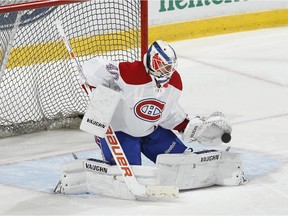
(39, 88)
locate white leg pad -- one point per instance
(86, 176)
(186, 171)
(189, 171)
(230, 170)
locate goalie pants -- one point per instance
(160, 141)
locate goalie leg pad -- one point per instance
(207, 168)
(230, 172)
(188, 171)
(97, 177)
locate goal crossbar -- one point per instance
(35, 4)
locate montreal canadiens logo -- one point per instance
(149, 109)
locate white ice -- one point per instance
(245, 75)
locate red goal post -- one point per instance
(38, 84)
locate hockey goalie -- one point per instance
(140, 101)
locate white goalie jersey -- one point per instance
(143, 106)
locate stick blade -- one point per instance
(159, 193)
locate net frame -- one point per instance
(74, 119)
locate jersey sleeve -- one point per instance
(175, 117)
(99, 71)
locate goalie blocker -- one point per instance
(98, 115)
(185, 171)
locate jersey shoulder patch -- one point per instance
(134, 73)
(176, 81)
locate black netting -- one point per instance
(39, 87)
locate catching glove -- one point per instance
(207, 131)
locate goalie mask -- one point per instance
(160, 61)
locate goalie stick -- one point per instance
(141, 192)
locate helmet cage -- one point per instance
(161, 68)
(159, 63)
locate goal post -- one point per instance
(39, 88)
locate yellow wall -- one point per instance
(219, 25)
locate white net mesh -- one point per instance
(39, 87)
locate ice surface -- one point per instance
(245, 75)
